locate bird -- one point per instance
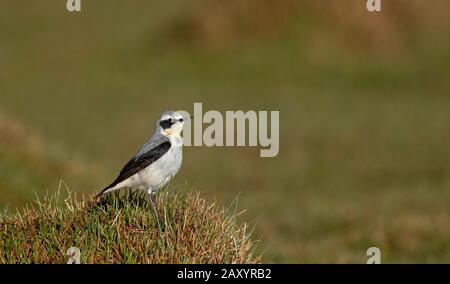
(156, 162)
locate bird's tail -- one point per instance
(105, 190)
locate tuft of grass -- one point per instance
(123, 229)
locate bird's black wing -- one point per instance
(138, 163)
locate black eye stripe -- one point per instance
(167, 123)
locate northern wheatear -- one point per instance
(156, 162)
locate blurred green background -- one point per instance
(364, 101)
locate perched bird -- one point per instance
(156, 162)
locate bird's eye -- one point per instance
(180, 120)
(165, 123)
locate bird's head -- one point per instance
(170, 124)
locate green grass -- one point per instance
(123, 229)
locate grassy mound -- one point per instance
(123, 229)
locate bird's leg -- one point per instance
(154, 202)
(155, 209)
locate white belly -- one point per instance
(158, 174)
